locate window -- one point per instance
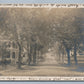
(7, 54)
(13, 56)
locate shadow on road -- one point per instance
(79, 68)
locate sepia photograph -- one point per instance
(45, 42)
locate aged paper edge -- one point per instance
(43, 5)
(41, 78)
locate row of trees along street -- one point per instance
(41, 29)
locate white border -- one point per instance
(40, 78)
(43, 5)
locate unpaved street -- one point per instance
(43, 70)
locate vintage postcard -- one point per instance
(42, 42)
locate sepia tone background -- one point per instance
(26, 1)
(41, 42)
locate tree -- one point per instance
(45, 27)
(62, 25)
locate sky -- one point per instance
(41, 1)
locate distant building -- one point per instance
(9, 51)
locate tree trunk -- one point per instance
(59, 57)
(29, 59)
(75, 56)
(34, 56)
(19, 58)
(38, 55)
(68, 54)
(63, 58)
(30, 52)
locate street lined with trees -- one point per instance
(35, 31)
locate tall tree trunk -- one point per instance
(34, 56)
(19, 58)
(38, 55)
(58, 53)
(30, 52)
(75, 56)
(68, 54)
(63, 58)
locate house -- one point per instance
(9, 51)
